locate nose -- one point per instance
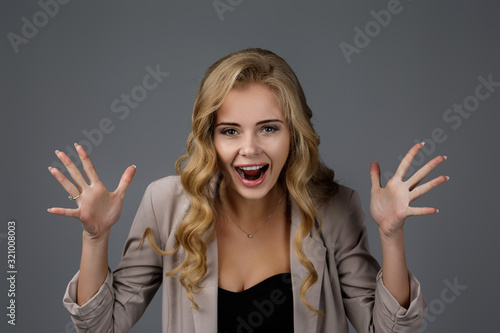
(250, 146)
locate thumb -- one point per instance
(125, 181)
(375, 175)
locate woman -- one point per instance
(254, 235)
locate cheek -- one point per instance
(286, 146)
(224, 154)
(284, 155)
(219, 151)
(281, 150)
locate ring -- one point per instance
(73, 198)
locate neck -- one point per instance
(251, 212)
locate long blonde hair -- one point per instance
(305, 177)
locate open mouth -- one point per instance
(253, 172)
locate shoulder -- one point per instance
(338, 204)
(338, 210)
(166, 185)
(168, 197)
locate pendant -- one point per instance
(249, 236)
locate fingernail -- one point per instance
(437, 210)
(50, 168)
(57, 151)
(447, 177)
(76, 144)
(445, 157)
(48, 209)
(422, 143)
(134, 166)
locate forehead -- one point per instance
(253, 102)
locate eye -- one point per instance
(269, 129)
(229, 131)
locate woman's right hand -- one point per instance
(98, 209)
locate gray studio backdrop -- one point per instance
(379, 76)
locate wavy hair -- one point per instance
(305, 177)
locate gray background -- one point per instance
(393, 93)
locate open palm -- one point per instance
(390, 206)
(98, 209)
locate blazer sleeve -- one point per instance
(127, 291)
(369, 306)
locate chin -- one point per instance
(253, 194)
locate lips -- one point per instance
(252, 172)
(252, 175)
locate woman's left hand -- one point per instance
(390, 206)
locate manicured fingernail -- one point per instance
(76, 144)
(447, 177)
(57, 151)
(134, 166)
(50, 168)
(48, 209)
(445, 157)
(437, 210)
(422, 143)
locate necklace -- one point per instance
(262, 225)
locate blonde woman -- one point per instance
(254, 234)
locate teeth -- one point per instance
(251, 167)
(241, 170)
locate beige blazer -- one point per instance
(349, 285)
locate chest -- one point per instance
(244, 262)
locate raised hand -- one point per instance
(98, 209)
(390, 206)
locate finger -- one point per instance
(424, 188)
(125, 181)
(375, 175)
(64, 211)
(88, 167)
(68, 186)
(415, 211)
(405, 164)
(424, 171)
(72, 169)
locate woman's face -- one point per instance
(252, 141)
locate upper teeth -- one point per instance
(252, 167)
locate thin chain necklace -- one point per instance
(262, 225)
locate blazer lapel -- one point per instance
(304, 319)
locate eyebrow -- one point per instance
(259, 123)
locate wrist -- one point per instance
(95, 238)
(395, 238)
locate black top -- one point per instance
(265, 307)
